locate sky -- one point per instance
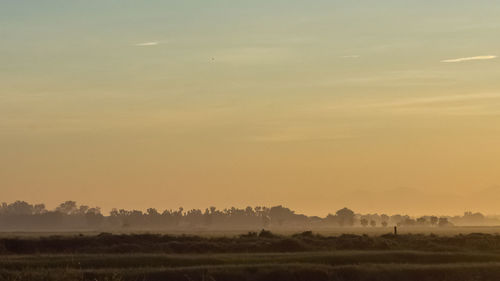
(381, 106)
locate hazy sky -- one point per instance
(315, 105)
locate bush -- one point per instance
(266, 234)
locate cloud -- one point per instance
(470, 58)
(391, 78)
(437, 99)
(279, 138)
(146, 44)
(485, 104)
(481, 104)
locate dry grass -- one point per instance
(473, 257)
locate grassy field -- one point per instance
(260, 257)
(334, 231)
(342, 265)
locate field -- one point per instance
(333, 231)
(252, 256)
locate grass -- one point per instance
(329, 231)
(97, 261)
(276, 272)
(471, 257)
(265, 242)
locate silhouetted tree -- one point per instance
(21, 215)
(39, 209)
(433, 220)
(444, 222)
(67, 208)
(280, 214)
(421, 220)
(18, 208)
(94, 217)
(345, 217)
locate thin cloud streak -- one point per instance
(470, 104)
(146, 44)
(470, 59)
(437, 99)
(296, 138)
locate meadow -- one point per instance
(250, 256)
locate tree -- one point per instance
(82, 210)
(345, 217)
(434, 220)
(421, 220)
(94, 217)
(384, 223)
(384, 217)
(67, 208)
(39, 209)
(373, 223)
(280, 214)
(473, 218)
(19, 208)
(408, 222)
(152, 212)
(364, 222)
(444, 222)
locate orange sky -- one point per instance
(379, 107)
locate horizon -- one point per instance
(160, 209)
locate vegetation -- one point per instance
(253, 256)
(263, 242)
(21, 215)
(271, 272)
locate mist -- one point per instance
(69, 216)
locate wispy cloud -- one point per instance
(470, 58)
(436, 100)
(472, 104)
(481, 104)
(146, 44)
(278, 138)
(404, 77)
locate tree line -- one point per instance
(21, 215)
